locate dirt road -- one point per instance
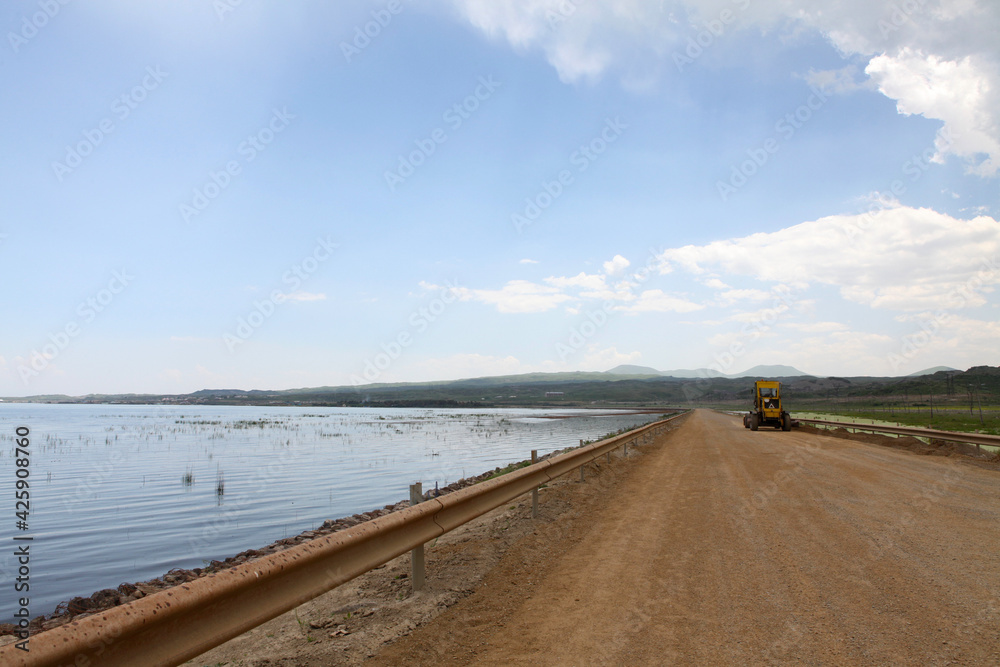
(726, 546)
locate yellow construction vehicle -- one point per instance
(767, 409)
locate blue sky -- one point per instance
(274, 195)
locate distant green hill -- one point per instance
(775, 371)
(627, 369)
(607, 390)
(932, 371)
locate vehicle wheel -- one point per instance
(746, 421)
(786, 422)
(753, 422)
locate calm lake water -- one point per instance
(126, 493)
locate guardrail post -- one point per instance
(626, 449)
(581, 473)
(534, 491)
(417, 554)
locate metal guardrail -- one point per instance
(951, 436)
(180, 623)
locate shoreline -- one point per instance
(108, 598)
(242, 530)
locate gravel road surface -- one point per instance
(726, 546)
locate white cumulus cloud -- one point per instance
(517, 296)
(524, 296)
(616, 265)
(936, 58)
(658, 301)
(962, 93)
(899, 258)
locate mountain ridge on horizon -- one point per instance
(761, 370)
(620, 372)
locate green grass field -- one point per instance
(942, 419)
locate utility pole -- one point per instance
(980, 402)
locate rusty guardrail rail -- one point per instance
(951, 436)
(175, 625)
